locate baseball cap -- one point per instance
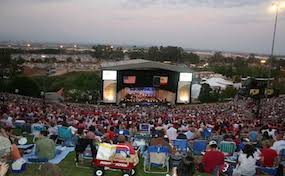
(212, 143)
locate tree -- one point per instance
(25, 85)
(229, 92)
(9, 67)
(205, 94)
(190, 58)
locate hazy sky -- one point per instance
(234, 25)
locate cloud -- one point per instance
(206, 3)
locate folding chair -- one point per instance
(181, 145)
(227, 147)
(65, 136)
(199, 146)
(268, 170)
(156, 156)
(207, 133)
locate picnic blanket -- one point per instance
(57, 159)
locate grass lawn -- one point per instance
(69, 169)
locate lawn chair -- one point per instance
(267, 170)
(65, 136)
(181, 145)
(227, 147)
(156, 156)
(199, 146)
(207, 133)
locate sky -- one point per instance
(224, 25)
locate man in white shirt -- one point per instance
(171, 133)
(279, 144)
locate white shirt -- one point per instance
(247, 165)
(278, 145)
(171, 133)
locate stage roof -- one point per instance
(137, 64)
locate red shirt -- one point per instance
(269, 156)
(111, 135)
(212, 159)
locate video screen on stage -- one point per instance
(129, 79)
(109, 75)
(163, 80)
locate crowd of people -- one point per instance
(263, 137)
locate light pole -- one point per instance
(276, 6)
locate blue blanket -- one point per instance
(57, 159)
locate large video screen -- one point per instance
(129, 79)
(187, 77)
(109, 75)
(183, 92)
(109, 91)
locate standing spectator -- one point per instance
(171, 133)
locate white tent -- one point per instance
(218, 82)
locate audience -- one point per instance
(231, 121)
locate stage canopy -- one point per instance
(140, 64)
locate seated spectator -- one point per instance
(213, 158)
(159, 140)
(111, 134)
(133, 155)
(268, 155)
(45, 147)
(190, 134)
(181, 135)
(253, 136)
(53, 130)
(186, 167)
(279, 144)
(246, 162)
